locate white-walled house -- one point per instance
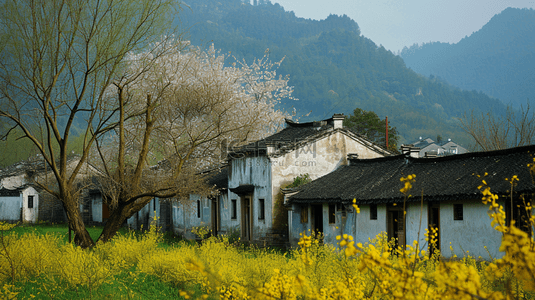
(21, 199)
(425, 147)
(19, 204)
(445, 195)
(257, 171)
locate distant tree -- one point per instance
(369, 125)
(492, 132)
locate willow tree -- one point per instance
(57, 59)
(181, 106)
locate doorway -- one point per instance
(515, 209)
(395, 225)
(317, 219)
(246, 216)
(215, 217)
(434, 222)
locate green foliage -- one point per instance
(15, 148)
(369, 125)
(300, 180)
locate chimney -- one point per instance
(270, 147)
(410, 150)
(338, 120)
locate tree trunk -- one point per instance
(114, 223)
(118, 216)
(76, 223)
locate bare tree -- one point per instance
(181, 106)
(57, 59)
(494, 132)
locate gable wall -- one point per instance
(316, 159)
(13, 182)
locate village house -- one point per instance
(257, 171)
(444, 195)
(201, 211)
(21, 199)
(427, 147)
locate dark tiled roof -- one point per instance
(292, 134)
(31, 166)
(10, 193)
(16, 191)
(442, 178)
(295, 134)
(219, 178)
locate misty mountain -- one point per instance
(333, 68)
(499, 59)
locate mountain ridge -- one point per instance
(335, 69)
(498, 59)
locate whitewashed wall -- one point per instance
(413, 224)
(365, 228)
(253, 171)
(96, 208)
(229, 224)
(470, 234)
(185, 215)
(10, 207)
(30, 214)
(13, 182)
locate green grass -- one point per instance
(61, 230)
(127, 285)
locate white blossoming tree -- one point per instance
(181, 105)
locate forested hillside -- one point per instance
(499, 59)
(333, 68)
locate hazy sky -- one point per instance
(398, 23)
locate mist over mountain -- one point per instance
(333, 68)
(499, 59)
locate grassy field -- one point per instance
(37, 262)
(125, 283)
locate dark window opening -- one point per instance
(332, 213)
(30, 201)
(233, 209)
(373, 211)
(198, 208)
(458, 212)
(261, 208)
(516, 211)
(342, 209)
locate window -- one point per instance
(332, 213)
(233, 209)
(30, 201)
(373, 211)
(304, 214)
(198, 208)
(261, 209)
(458, 212)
